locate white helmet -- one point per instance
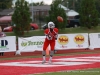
(51, 25)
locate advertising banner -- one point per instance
(72, 41)
(30, 44)
(64, 41)
(8, 44)
(94, 40)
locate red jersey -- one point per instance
(51, 35)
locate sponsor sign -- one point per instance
(8, 44)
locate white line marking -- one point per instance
(59, 62)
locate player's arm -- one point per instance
(56, 37)
(47, 34)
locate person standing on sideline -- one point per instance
(2, 34)
(51, 34)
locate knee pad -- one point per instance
(43, 52)
(51, 53)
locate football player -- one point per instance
(51, 36)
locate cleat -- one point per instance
(43, 61)
(50, 62)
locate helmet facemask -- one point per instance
(51, 25)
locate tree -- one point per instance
(76, 4)
(37, 3)
(88, 14)
(5, 4)
(55, 11)
(98, 6)
(71, 4)
(21, 17)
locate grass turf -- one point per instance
(40, 32)
(76, 72)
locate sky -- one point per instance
(45, 1)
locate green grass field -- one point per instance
(40, 32)
(76, 72)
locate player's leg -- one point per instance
(55, 51)
(2, 53)
(44, 51)
(52, 45)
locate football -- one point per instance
(60, 19)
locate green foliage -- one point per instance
(4, 4)
(55, 11)
(97, 2)
(37, 3)
(88, 14)
(72, 4)
(21, 17)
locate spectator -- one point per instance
(2, 34)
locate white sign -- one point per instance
(64, 41)
(72, 41)
(94, 40)
(8, 44)
(31, 43)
